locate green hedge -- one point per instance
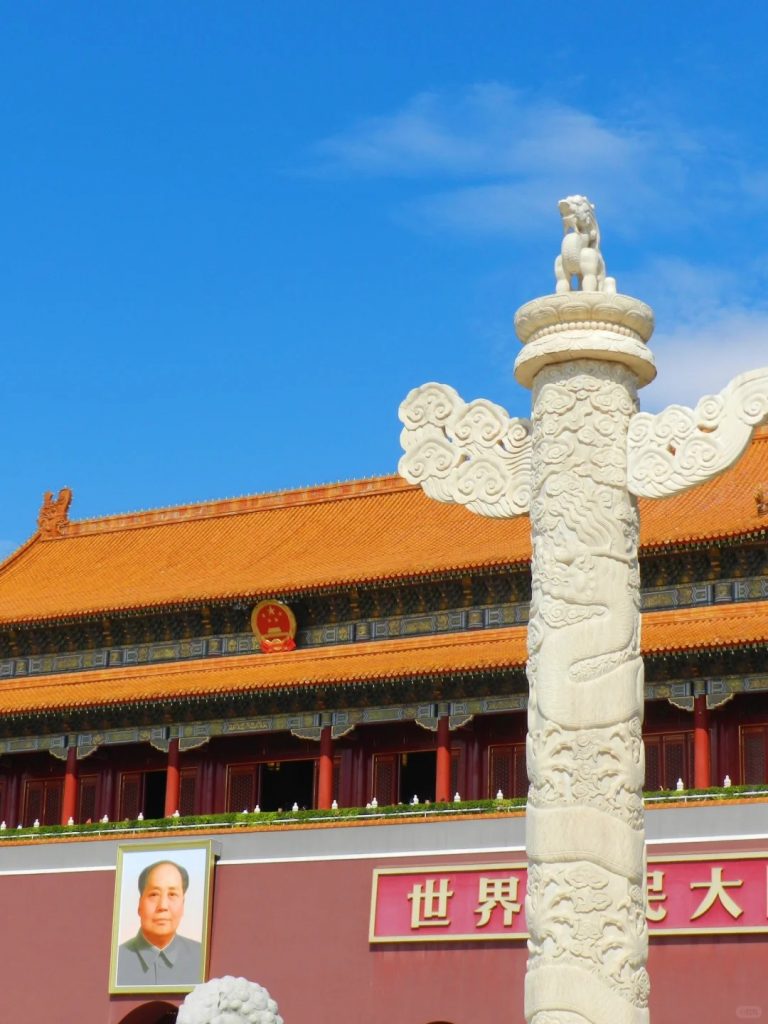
(191, 823)
(250, 819)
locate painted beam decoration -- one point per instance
(578, 466)
(690, 895)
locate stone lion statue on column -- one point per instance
(580, 255)
(229, 1001)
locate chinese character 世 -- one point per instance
(656, 894)
(497, 892)
(716, 890)
(429, 904)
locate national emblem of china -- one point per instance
(275, 626)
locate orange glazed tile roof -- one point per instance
(483, 651)
(685, 629)
(724, 507)
(333, 536)
(356, 663)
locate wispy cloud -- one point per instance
(707, 329)
(486, 130)
(701, 358)
(490, 158)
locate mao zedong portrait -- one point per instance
(157, 955)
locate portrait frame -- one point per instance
(196, 857)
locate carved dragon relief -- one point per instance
(585, 755)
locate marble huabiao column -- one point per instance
(585, 356)
(577, 467)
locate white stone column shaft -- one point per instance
(585, 905)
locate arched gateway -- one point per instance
(156, 1012)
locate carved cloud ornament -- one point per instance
(681, 447)
(472, 453)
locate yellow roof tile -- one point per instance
(702, 628)
(324, 537)
(353, 664)
(347, 665)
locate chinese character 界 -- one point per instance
(656, 894)
(497, 892)
(716, 890)
(429, 904)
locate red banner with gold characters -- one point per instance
(691, 895)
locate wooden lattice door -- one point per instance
(754, 746)
(188, 791)
(87, 792)
(384, 783)
(131, 796)
(242, 787)
(668, 757)
(506, 770)
(42, 801)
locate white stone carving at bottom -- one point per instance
(229, 1000)
(562, 1018)
(585, 904)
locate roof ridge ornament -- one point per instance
(54, 514)
(761, 500)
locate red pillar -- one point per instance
(69, 800)
(702, 767)
(12, 800)
(172, 779)
(443, 777)
(325, 770)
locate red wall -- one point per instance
(301, 930)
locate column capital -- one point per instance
(584, 325)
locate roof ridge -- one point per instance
(219, 507)
(264, 501)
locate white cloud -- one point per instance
(487, 130)
(696, 359)
(490, 158)
(707, 329)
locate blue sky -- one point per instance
(233, 236)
